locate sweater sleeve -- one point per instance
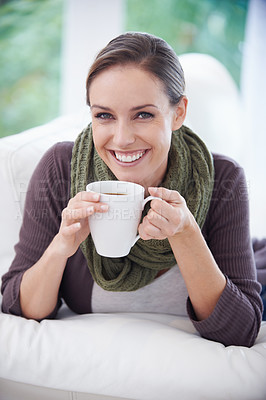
(47, 195)
(237, 316)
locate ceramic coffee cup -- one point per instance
(115, 232)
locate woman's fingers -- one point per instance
(75, 224)
(168, 218)
(82, 206)
(170, 196)
(70, 230)
(86, 196)
(71, 214)
(147, 230)
(165, 218)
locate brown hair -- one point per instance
(146, 51)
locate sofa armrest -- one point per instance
(19, 154)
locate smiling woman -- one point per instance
(195, 233)
(133, 138)
(136, 131)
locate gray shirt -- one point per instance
(167, 294)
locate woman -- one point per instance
(195, 255)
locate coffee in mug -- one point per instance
(115, 231)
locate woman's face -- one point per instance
(132, 122)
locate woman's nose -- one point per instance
(123, 135)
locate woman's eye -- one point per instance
(103, 116)
(144, 115)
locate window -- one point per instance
(30, 47)
(213, 27)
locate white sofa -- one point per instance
(107, 356)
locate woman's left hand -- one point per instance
(165, 218)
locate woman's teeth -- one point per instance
(128, 158)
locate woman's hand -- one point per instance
(165, 218)
(74, 226)
(40, 283)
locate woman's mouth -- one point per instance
(128, 157)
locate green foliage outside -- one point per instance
(30, 47)
(214, 27)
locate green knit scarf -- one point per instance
(190, 172)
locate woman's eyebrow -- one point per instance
(102, 107)
(132, 109)
(143, 106)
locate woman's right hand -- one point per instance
(41, 282)
(74, 226)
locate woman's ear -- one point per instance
(180, 113)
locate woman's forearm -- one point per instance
(172, 219)
(40, 284)
(204, 280)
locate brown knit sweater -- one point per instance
(237, 315)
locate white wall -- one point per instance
(214, 107)
(254, 103)
(88, 26)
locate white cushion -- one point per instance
(136, 356)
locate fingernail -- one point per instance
(104, 207)
(95, 196)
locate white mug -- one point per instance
(114, 232)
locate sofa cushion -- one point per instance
(135, 356)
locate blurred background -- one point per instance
(47, 46)
(34, 35)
